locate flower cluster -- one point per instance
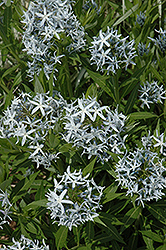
(46, 22)
(160, 42)
(155, 141)
(94, 128)
(143, 49)
(5, 208)
(141, 19)
(151, 93)
(26, 244)
(74, 200)
(141, 172)
(109, 51)
(29, 119)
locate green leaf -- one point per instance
(91, 91)
(163, 247)
(149, 243)
(158, 213)
(156, 74)
(115, 245)
(8, 44)
(40, 192)
(36, 204)
(21, 187)
(84, 248)
(103, 238)
(110, 193)
(130, 217)
(61, 236)
(133, 241)
(126, 15)
(131, 100)
(78, 7)
(7, 20)
(53, 140)
(89, 231)
(38, 86)
(10, 70)
(152, 235)
(50, 83)
(89, 167)
(65, 148)
(101, 81)
(17, 80)
(9, 97)
(5, 184)
(106, 221)
(32, 228)
(141, 115)
(128, 85)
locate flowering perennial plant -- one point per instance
(151, 93)
(26, 244)
(29, 119)
(94, 128)
(46, 23)
(5, 208)
(110, 52)
(141, 172)
(74, 200)
(160, 42)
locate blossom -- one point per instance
(160, 42)
(141, 18)
(161, 142)
(151, 93)
(25, 243)
(45, 22)
(5, 206)
(94, 128)
(109, 52)
(29, 119)
(142, 49)
(141, 173)
(74, 200)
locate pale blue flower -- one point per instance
(76, 202)
(141, 173)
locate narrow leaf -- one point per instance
(126, 15)
(106, 221)
(130, 217)
(61, 236)
(142, 115)
(89, 167)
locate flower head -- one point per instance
(94, 128)
(160, 42)
(5, 206)
(151, 93)
(141, 18)
(29, 119)
(141, 172)
(47, 21)
(109, 52)
(74, 200)
(25, 243)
